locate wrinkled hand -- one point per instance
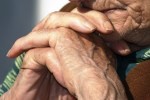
(130, 18)
(86, 67)
(35, 81)
(82, 23)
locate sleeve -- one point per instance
(11, 76)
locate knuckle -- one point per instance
(28, 54)
(53, 18)
(55, 15)
(28, 59)
(49, 53)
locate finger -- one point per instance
(99, 19)
(34, 39)
(66, 19)
(120, 47)
(39, 58)
(33, 72)
(42, 38)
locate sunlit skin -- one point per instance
(130, 29)
(100, 61)
(130, 19)
(82, 64)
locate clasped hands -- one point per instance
(62, 63)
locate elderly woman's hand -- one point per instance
(84, 65)
(84, 23)
(35, 81)
(130, 18)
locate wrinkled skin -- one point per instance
(82, 64)
(127, 32)
(130, 18)
(35, 84)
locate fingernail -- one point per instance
(108, 27)
(125, 51)
(121, 47)
(8, 53)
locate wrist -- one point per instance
(92, 85)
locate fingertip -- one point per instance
(124, 52)
(10, 54)
(121, 48)
(105, 27)
(108, 27)
(13, 52)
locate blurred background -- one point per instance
(17, 18)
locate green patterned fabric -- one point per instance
(11, 76)
(125, 64)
